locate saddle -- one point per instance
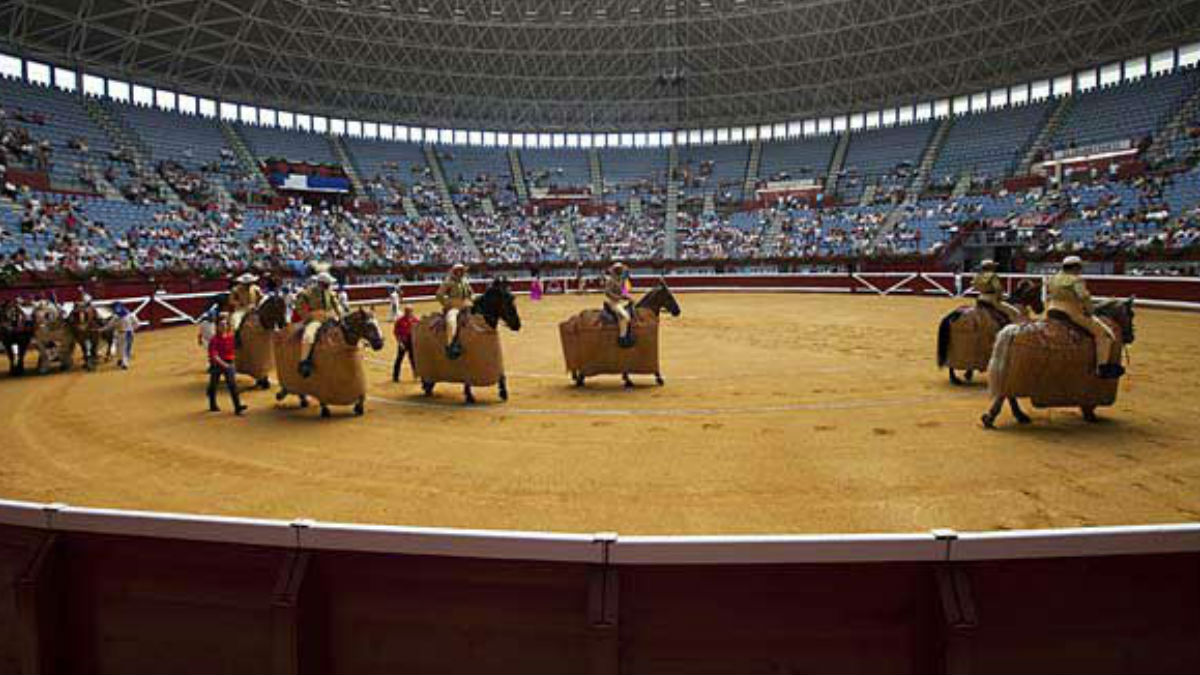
(437, 320)
(608, 316)
(1000, 317)
(1062, 318)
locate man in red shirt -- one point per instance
(220, 362)
(403, 330)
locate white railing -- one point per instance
(611, 547)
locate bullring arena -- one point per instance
(728, 309)
(782, 413)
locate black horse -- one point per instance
(16, 332)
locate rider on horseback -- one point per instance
(616, 300)
(991, 291)
(1069, 295)
(246, 296)
(454, 295)
(316, 305)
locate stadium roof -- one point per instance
(589, 65)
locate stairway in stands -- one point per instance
(672, 216)
(752, 168)
(868, 195)
(962, 186)
(126, 139)
(347, 161)
(410, 207)
(635, 205)
(245, 158)
(572, 241)
(1176, 128)
(448, 208)
(518, 175)
(1042, 140)
(770, 245)
(835, 166)
(936, 142)
(710, 202)
(597, 175)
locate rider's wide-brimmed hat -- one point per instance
(456, 267)
(325, 278)
(616, 267)
(1072, 261)
(987, 264)
(247, 278)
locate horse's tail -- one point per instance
(943, 338)
(998, 366)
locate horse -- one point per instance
(1053, 362)
(338, 377)
(966, 335)
(589, 340)
(482, 361)
(16, 332)
(89, 327)
(254, 355)
(52, 337)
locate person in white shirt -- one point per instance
(395, 301)
(207, 326)
(123, 323)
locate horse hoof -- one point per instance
(303, 402)
(659, 380)
(469, 400)
(359, 409)
(325, 411)
(280, 395)
(969, 376)
(988, 421)
(1024, 419)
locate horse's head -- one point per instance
(659, 299)
(361, 325)
(1120, 311)
(272, 313)
(499, 304)
(1029, 294)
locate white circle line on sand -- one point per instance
(674, 412)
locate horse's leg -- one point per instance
(579, 378)
(263, 382)
(969, 375)
(954, 377)
(658, 378)
(281, 394)
(503, 386)
(628, 382)
(360, 406)
(989, 417)
(303, 401)
(427, 387)
(1022, 418)
(470, 398)
(1089, 413)
(325, 410)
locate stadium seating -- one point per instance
(797, 159)
(1127, 111)
(989, 144)
(884, 157)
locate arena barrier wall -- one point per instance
(96, 590)
(161, 308)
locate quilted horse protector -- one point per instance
(972, 333)
(338, 377)
(481, 363)
(589, 343)
(1053, 363)
(255, 355)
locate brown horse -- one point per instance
(89, 326)
(589, 340)
(1053, 362)
(966, 335)
(254, 355)
(338, 377)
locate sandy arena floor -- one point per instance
(781, 413)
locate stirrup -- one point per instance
(453, 350)
(625, 341)
(1110, 371)
(306, 367)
